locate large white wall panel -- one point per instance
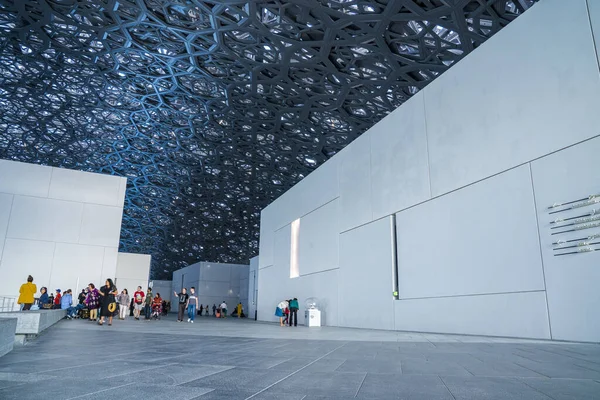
(318, 240)
(109, 262)
(5, 208)
(76, 265)
(24, 179)
(45, 219)
(281, 257)
(86, 187)
(215, 272)
(480, 239)
(513, 315)
(366, 262)
(399, 160)
(355, 183)
(318, 188)
(133, 270)
(572, 281)
(487, 114)
(101, 225)
(267, 236)
(22, 258)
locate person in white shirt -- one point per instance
(223, 309)
(279, 311)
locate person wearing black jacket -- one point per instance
(82, 296)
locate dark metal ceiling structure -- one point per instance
(212, 109)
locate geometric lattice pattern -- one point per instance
(212, 109)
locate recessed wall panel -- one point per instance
(355, 183)
(37, 218)
(85, 187)
(365, 276)
(22, 258)
(101, 225)
(513, 99)
(318, 240)
(572, 281)
(480, 239)
(24, 179)
(399, 161)
(512, 315)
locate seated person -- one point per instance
(57, 303)
(43, 300)
(66, 303)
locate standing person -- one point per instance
(223, 309)
(286, 313)
(294, 311)
(138, 297)
(192, 303)
(57, 300)
(108, 293)
(183, 298)
(201, 309)
(93, 301)
(131, 307)
(27, 294)
(214, 309)
(148, 305)
(207, 314)
(123, 304)
(279, 311)
(239, 310)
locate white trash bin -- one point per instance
(312, 317)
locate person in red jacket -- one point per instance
(57, 300)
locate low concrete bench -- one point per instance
(32, 323)
(8, 327)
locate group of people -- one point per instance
(101, 304)
(188, 303)
(287, 311)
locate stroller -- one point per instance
(156, 310)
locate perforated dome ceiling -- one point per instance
(214, 109)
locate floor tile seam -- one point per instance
(294, 373)
(100, 391)
(137, 371)
(361, 385)
(205, 376)
(537, 390)
(446, 386)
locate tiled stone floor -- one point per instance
(232, 359)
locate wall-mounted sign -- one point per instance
(588, 219)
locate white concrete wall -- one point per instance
(133, 270)
(467, 167)
(58, 225)
(214, 282)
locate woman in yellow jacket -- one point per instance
(26, 293)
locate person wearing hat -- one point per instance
(27, 293)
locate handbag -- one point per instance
(112, 307)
